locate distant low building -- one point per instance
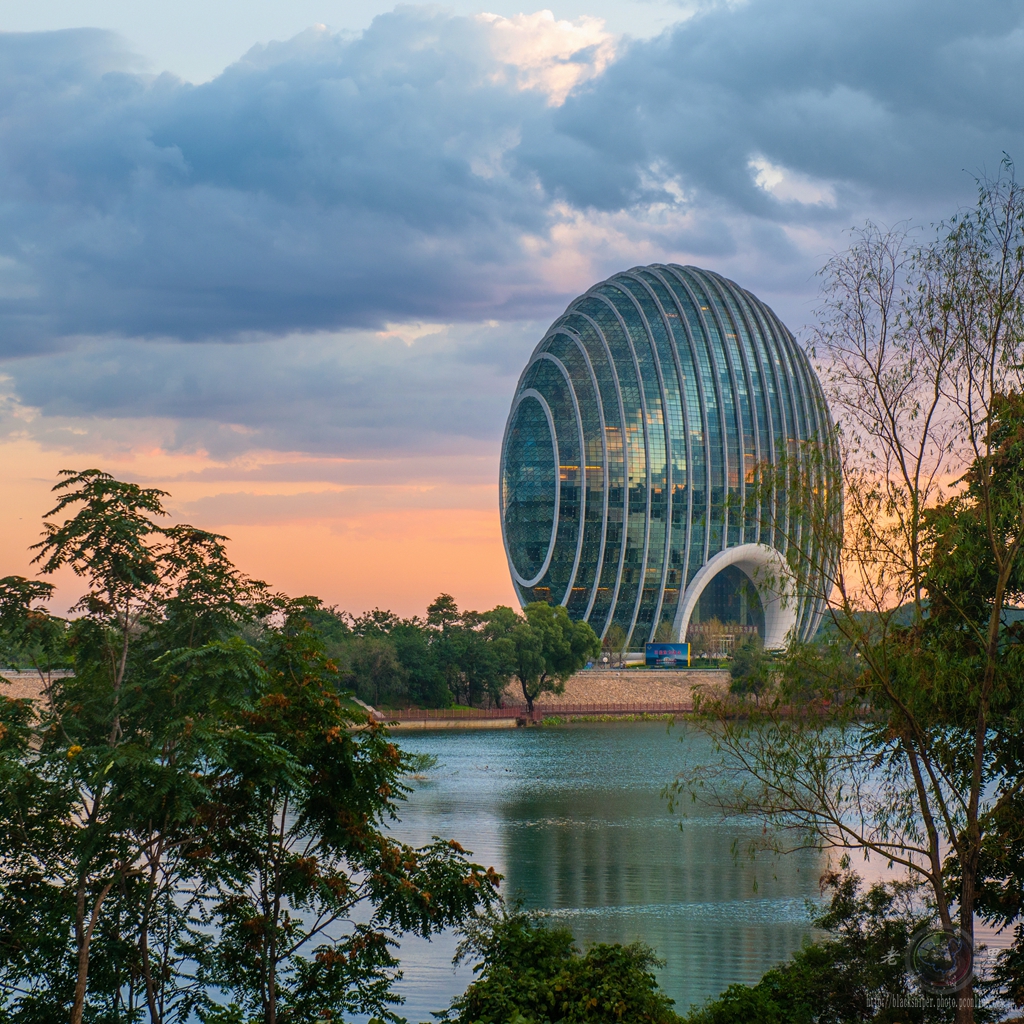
(632, 440)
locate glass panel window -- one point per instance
(528, 488)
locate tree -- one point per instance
(490, 653)
(664, 634)
(915, 758)
(412, 644)
(751, 668)
(471, 649)
(293, 845)
(452, 655)
(708, 638)
(615, 641)
(549, 647)
(375, 673)
(29, 635)
(103, 798)
(534, 974)
(200, 705)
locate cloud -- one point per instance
(233, 508)
(553, 56)
(417, 388)
(322, 183)
(368, 232)
(299, 295)
(891, 102)
(788, 186)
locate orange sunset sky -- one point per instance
(355, 547)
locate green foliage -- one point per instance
(961, 638)
(535, 974)
(281, 899)
(464, 657)
(664, 634)
(1001, 886)
(450, 656)
(454, 656)
(548, 647)
(470, 650)
(826, 668)
(906, 743)
(426, 685)
(857, 974)
(188, 820)
(751, 668)
(29, 636)
(375, 671)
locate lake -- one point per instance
(574, 819)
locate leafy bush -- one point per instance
(530, 973)
(751, 668)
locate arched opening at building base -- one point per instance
(748, 586)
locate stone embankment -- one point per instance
(25, 684)
(668, 686)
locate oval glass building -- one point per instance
(630, 448)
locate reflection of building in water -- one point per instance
(616, 868)
(630, 451)
(574, 820)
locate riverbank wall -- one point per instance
(418, 724)
(26, 685)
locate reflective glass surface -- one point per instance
(666, 388)
(635, 445)
(528, 488)
(677, 499)
(570, 354)
(549, 377)
(611, 407)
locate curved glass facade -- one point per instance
(634, 434)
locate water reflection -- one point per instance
(574, 819)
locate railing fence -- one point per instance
(540, 711)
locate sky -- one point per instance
(287, 260)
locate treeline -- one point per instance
(449, 657)
(455, 657)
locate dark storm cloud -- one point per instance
(336, 182)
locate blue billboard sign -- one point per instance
(667, 655)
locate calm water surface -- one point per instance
(573, 818)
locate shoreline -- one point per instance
(547, 721)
